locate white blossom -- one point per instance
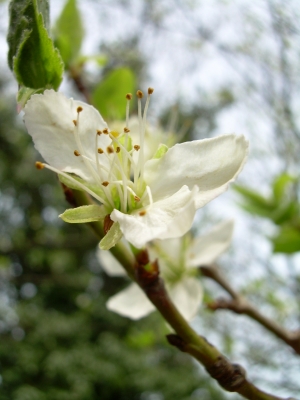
(178, 261)
(146, 200)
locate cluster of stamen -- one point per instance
(125, 173)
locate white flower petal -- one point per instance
(131, 302)
(207, 248)
(49, 120)
(168, 248)
(211, 164)
(110, 264)
(168, 218)
(187, 296)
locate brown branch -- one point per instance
(75, 73)
(240, 305)
(232, 377)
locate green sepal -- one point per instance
(69, 32)
(109, 95)
(116, 197)
(80, 215)
(128, 145)
(35, 61)
(161, 151)
(112, 237)
(70, 182)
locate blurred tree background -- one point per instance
(216, 68)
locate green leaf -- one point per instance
(286, 213)
(98, 59)
(254, 203)
(21, 14)
(109, 95)
(84, 214)
(36, 63)
(280, 209)
(112, 237)
(43, 8)
(287, 241)
(162, 149)
(69, 32)
(253, 197)
(280, 185)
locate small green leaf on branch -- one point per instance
(287, 241)
(84, 214)
(69, 32)
(112, 237)
(108, 96)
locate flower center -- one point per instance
(118, 176)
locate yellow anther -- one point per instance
(76, 153)
(118, 149)
(79, 109)
(128, 96)
(105, 131)
(126, 130)
(100, 151)
(105, 183)
(137, 199)
(99, 132)
(39, 165)
(140, 94)
(75, 122)
(150, 90)
(110, 150)
(142, 213)
(136, 147)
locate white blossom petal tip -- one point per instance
(51, 119)
(187, 296)
(110, 264)
(131, 302)
(210, 164)
(207, 248)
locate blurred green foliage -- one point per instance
(69, 32)
(281, 207)
(109, 95)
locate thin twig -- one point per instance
(80, 85)
(240, 305)
(232, 377)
